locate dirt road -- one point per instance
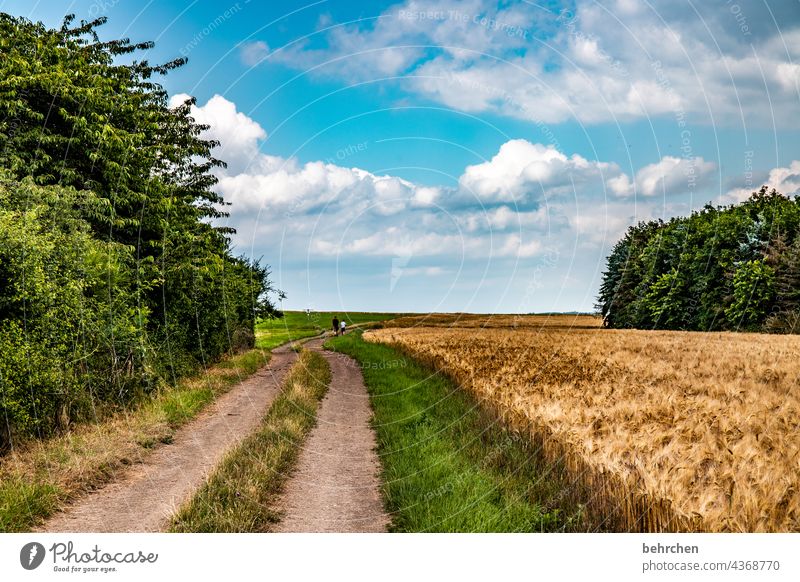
(144, 497)
(335, 485)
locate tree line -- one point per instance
(722, 268)
(113, 280)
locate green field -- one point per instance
(295, 325)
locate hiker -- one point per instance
(343, 325)
(336, 325)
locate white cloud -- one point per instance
(403, 242)
(526, 200)
(252, 53)
(406, 242)
(667, 177)
(595, 64)
(784, 180)
(620, 185)
(554, 214)
(422, 271)
(505, 218)
(425, 196)
(514, 246)
(349, 211)
(605, 226)
(521, 171)
(237, 133)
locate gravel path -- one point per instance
(335, 485)
(144, 497)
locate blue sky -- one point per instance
(474, 155)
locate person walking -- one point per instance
(336, 325)
(343, 327)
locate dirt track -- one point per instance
(335, 485)
(144, 497)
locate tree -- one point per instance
(735, 267)
(69, 330)
(753, 291)
(785, 260)
(108, 199)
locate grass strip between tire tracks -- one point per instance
(239, 495)
(448, 465)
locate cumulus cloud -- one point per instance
(505, 218)
(525, 200)
(607, 226)
(351, 211)
(667, 177)
(406, 242)
(785, 180)
(237, 133)
(521, 171)
(526, 207)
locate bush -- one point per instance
(242, 339)
(69, 330)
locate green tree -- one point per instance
(735, 267)
(785, 260)
(753, 292)
(109, 261)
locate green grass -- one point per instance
(447, 465)
(179, 407)
(19, 500)
(37, 479)
(239, 496)
(295, 325)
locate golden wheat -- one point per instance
(668, 430)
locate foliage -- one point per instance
(722, 268)
(753, 292)
(38, 479)
(68, 330)
(112, 275)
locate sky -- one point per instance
(473, 155)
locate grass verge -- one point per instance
(448, 466)
(39, 477)
(239, 495)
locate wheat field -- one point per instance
(666, 431)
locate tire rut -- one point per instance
(335, 485)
